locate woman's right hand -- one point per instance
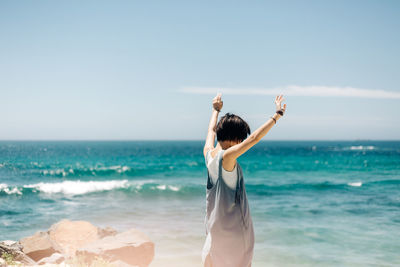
(217, 102)
(278, 102)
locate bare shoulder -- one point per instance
(213, 152)
(228, 163)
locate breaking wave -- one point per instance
(149, 187)
(9, 189)
(78, 187)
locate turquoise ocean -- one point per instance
(313, 203)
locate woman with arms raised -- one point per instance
(229, 227)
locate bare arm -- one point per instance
(217, 105)
(232, 153)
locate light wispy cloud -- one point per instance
(295, 90)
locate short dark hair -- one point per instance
(232, 128)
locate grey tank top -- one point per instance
(229, 221)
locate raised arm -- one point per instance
(232, 153)
(210, 140)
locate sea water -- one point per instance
(314, 203)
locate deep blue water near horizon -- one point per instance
(313, 203)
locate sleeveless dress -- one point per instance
(229, 222)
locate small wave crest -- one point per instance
(263, 189)
(170, 187)
(355, 184)
(78, 187)
(83, 171)
(9, 190)
(362, 148)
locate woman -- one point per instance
(229, 227)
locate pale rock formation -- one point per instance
(39, 246)
(66, 239)
(55, 258)
(131, 247)
(71, 235)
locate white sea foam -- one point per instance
(94, 170)
(356, 184)
(116, 168)
(174, 188)
(153, 185)
(9, 190)
(138, 185)
(54, 172)
(78, 187)
(161, 187)
(125, 168)
(164, 187)
(362, 148)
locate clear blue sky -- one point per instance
(148, 70)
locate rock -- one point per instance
(11, 243)
(55, 258)
(2, 262)
(131, 247)
(15, 249)
(71, 235)
(39, 246)
(119, 263)
(67, 239)
(103, 232)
